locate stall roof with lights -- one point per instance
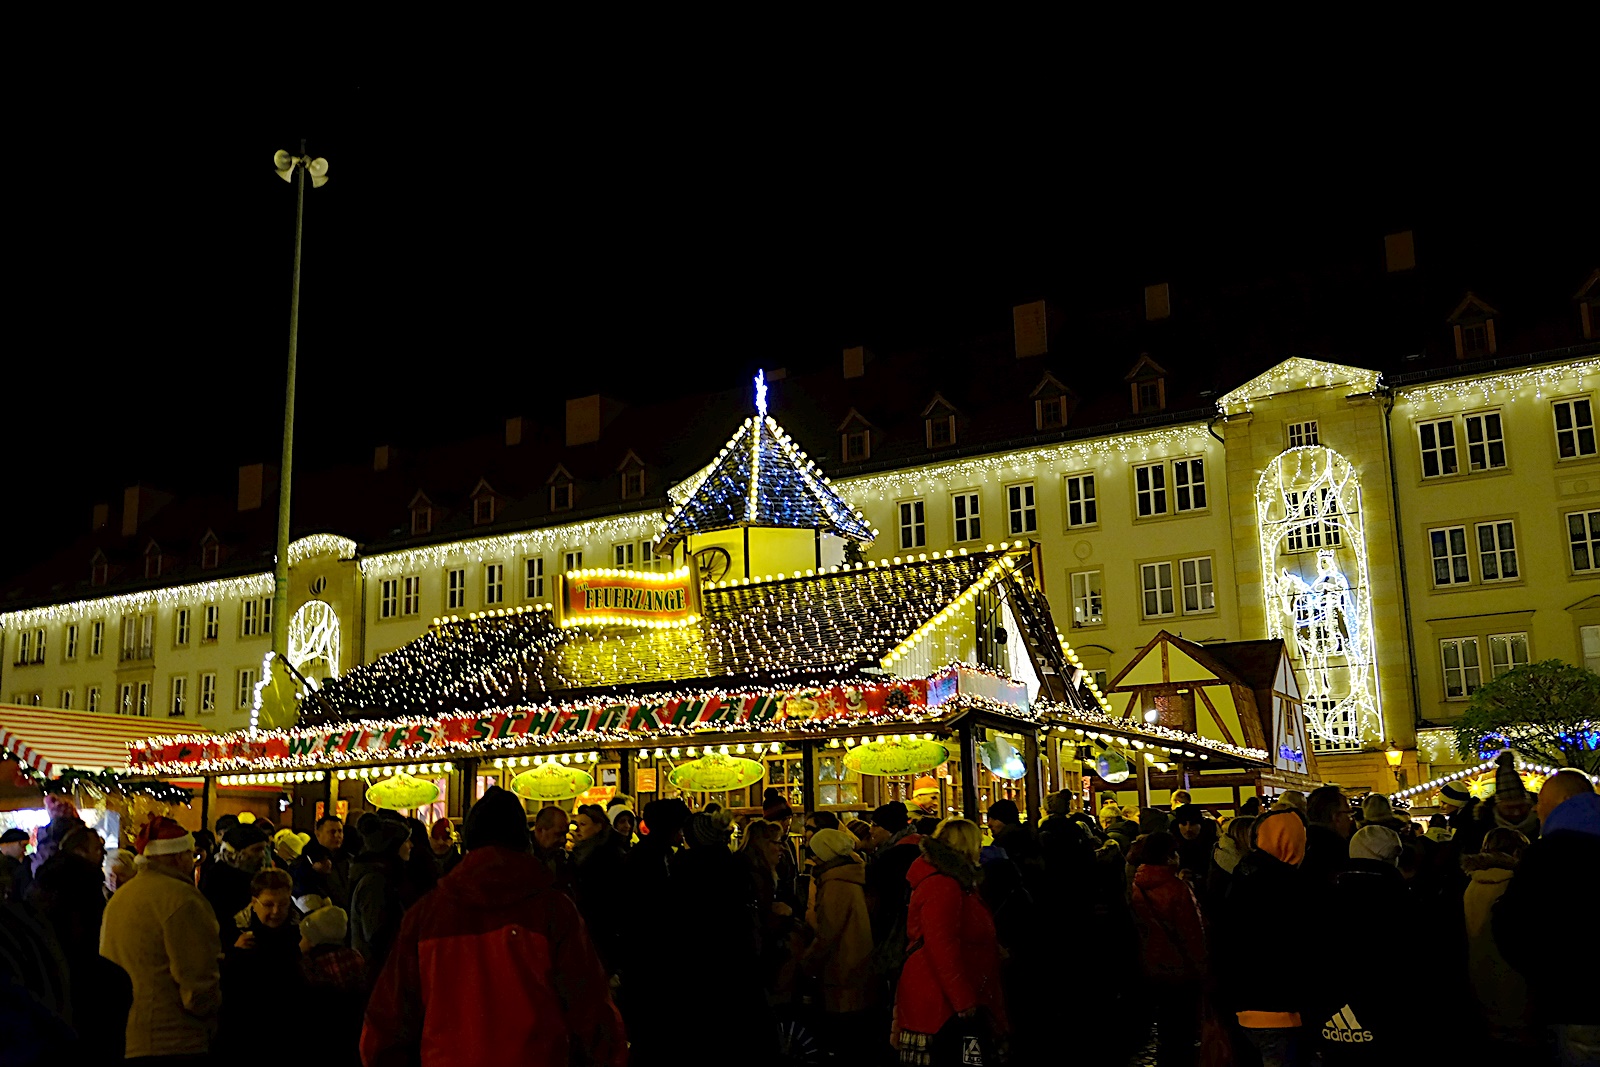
(51, 741)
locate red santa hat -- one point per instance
(163, 837)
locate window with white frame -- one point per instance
(1319, 524)
(1099, 679)
(213, 619)
(1341, 730)
(249, 618)
(1082, 507)
(266, 615)
(208, 692)
(857, 446)
(388, 598)
(1050, 414)
(941, 431)
(455, 588)
(1189, 484)
(125, 699)
(633, 483)
(1497, 551)
(1507, 652)
(1589, 638)
(1438, 442)
(1462, 674)
(210, 553)
(622, 556)
(964, 509)
(70, 651)
(180, 695)
(1574, 428)
(421, 520)
(647, 555)
(533, 578)
(143, 706)
(38, 645)
(1155, 583)
(180, 626)
(1020, 512)
(24, 646)
(574, 560)
(97, 638)
(411, 594)
(494, 583)
(1449, 547)
(913, 524)
(91, 698)
(1303, 433)
(1199, 592)
(1150, 489)
(65, 699)
(561, 497)
(1088, 602)
(246, 692)
(1583, 537)
(1486, 442)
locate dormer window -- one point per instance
(99, 570)
(1147, 382)
(1050, 403)
(855, 438)
(1472, 324)
(421, 515)
(939, 422)
(210, 551)
(152, 560)
(560, 483)
(631, 470)
(483, 503)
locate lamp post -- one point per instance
(290, 169)
(1393, 755)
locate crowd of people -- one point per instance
(612, 937)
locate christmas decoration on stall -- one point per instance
(103, 783)
(1112, 766)
(402, 792)
(896, 755)
(716, 773)
(552, 781)
(1001, 758)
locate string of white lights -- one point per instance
(1298, 373)
(1552, 379)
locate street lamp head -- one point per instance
(285, 164)
(1393, 755)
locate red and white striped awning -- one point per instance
(51, 740)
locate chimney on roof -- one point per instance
(587, 416)
(514, 431)
(1157, 302)
(252, 484)
(102, 517)
(855, 362)
(139, 504)
(382, 455)
(1399, 251)
(1029, 329)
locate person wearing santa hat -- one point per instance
(161, 930)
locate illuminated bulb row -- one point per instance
(966, 596)
(537, 761)
(272, 778)
(496, 613)
(644, 576)
(1483, 768)
(627, 620)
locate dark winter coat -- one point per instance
(1068, 856)
(599, 864)
(253, 981)
(375, 906)
(1022, 846)
(1326, 854)
(716, 910)
(228, 890)
(1474, 828)
(887, 892)
(953, 957)
(1541, 919)
(69, 894)
(493, 967)
(1267, 903)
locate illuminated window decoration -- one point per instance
(1317, 609)
(314, 635)
(761, 478)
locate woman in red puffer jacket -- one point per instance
(952, 963)
(1172, 944)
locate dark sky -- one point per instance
(483, 253)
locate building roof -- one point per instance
(51, 740)
(1255, 663)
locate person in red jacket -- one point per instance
(494, 967)
(952, 966)
(1172, 946)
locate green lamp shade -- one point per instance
(1112, 767)
(402, 792)
(1002, 758)
(910, 756)
(716, 773)
(551, 781)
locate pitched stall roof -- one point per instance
(827, 626)
(51, 740)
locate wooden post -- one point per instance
(1053, 746)
(969, 771)
(330, 794)
(808, 776)
(1144, 778)
(466, 785)
(208, 800)
(625, 771)
(1032, 783)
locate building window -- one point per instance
(208, 692)
(1189, 484)
(1486, 443)
(152, 562)
(38, 645)
(138, 636)
(494, 583)
(857, 446)
(99, 570)
(247, 689)
(964, 507)
(421, 521)
(71, 649)
(1438, 440)
(1507, 652)
(144, 700)
(622, 556)
(213, 618)
(1149, 395)
(1574, 428)
(1082, 509)
(125, 700)
(65, 700)
(210, 553)
(249, 618)
(1589, 636)
(1319, 527)
(913, 525)
(1199, 593)
(1150, 488)
(97, 638)
(91, 698)
(24, 646)
(1497, 551)
(412, 592)
(1449, 547)
(180, 695)
(575, 560)
(1088, 606)
(180, 626)
(389, 598)
(533, 578)
(941, 431)
(455, 589)
(1583, 533)
(483, 510)
(1155, 581)
(1341, 731)
(633, 484)
(1462, 675)
(561, 497)
(266, 615)
(647, 555)
(1302, 434)
(1019, 508)
(1474, 339)
(1050, 414)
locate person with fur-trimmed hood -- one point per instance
(1500, 991)
(1511, 807)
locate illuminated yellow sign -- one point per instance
(601, 597)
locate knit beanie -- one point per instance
(709, 831)
(1293, 798)
(1059, 803)
(498, 818)
(1282, 834)
(325, 926)
(1507, 782)
(442, 831)
(665, 817)
(1114, 810)
(290, 841)
(618, 804)
(831, 844)
(1455, 793)
(1005, 811)
(892, 816)
(926, 786)
(774, 806)
(1376, 807)
(1376, 843)
(244, 835)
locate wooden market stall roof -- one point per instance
(54, 740)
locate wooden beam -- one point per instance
(969, 771)
(625, 771)
(808, 776)
(1032, 784)
(1206, 700)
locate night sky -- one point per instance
(484, 254)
